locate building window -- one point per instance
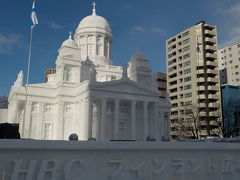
(229, 48)
(186, 56)
(187, 103)
(230, 62)
(236, 66)
(230, 55)
(185, 34)
(186, 48)
(237, 73)
(187, 63)
(187, 79)
(185, 41)
(47, 130)
(172, 68)
(189, 86)
(186, 71)
(188, 95)
(238, 45)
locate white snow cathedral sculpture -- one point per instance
(89, 96)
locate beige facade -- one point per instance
(193, 81)
(229, 64)
(160, 79)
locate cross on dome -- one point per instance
(94, 8)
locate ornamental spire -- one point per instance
(94, 8)
(70, 35)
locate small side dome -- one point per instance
(69, 42)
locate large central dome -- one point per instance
(94, 21)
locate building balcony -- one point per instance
(212, 71)
(211, 55)
(213, 114)
(213, 48)
(202, 96)
(201, 79)
(201, 88)
(203, 114)
(213, 96)
(175, 116)
(212, 63)
(210, 40)
(213, 123)
(213, 88)
(209, 79)
(210, 32)
(213, 105)
(200, 71)
(202, 105)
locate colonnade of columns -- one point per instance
(102, 118)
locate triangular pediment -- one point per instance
(124, 86)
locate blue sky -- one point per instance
(143, 24)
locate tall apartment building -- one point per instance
(193, 81)
(160, 78)
(229, 64)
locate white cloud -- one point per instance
(235, 30)
(54, 25)
(158, 30)
(10, 41)
(233, 10)
(138, 29)
(231, 23)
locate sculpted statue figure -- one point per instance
(93, 74)
(19, 80)
(125, 73)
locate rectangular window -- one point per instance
(187, 79)
(186, 71)
(189, 86)
(186, 63)
(47, 131)
(185, 34)
(188, 95)
(186, 48)
(185, 41)
(186, 56)
(187, 103)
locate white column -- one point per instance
(40, 121)
(156, 120)
(103, 118)
(27, 120)
(60, 121)
(133, 119)
(88, 118)
(99, 120)
(161, 125)
(116, 118)
(13, 114)
(145, 119)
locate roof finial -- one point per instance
(94, 8)
(70, 35)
